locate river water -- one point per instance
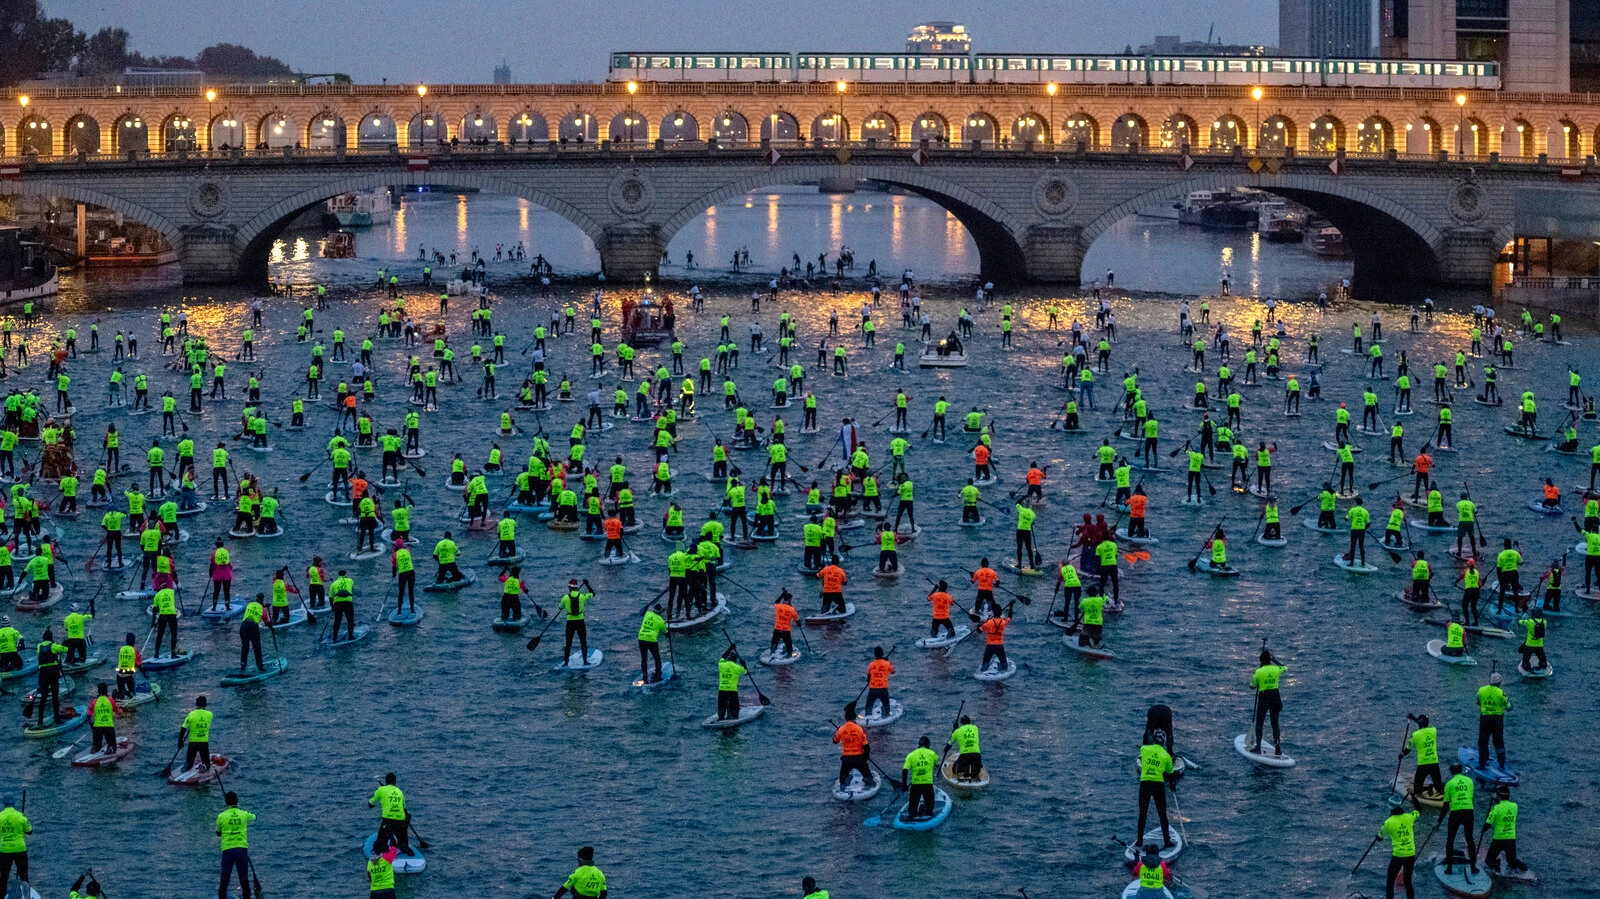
(509, 767)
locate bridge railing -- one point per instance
(15, 166)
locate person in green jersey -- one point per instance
(233, 826)
(1502, 819)
(1399, 828)
(586, 881)
(1427, 782)
(1155, 773)
(1458, 805)
(1269, 701)
(916, 778)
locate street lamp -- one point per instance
(1256, 94)
(422, 91)
(211, 97)
(1461, 122)
(840, 133)
(1051, 89)
(633, 115)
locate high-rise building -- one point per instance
(1325, 28)
(502, 73)
(939, 37)
(1533, 40)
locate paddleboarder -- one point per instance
(394, 821)
(1155, 774)
(1502, 820)
(1425, 742)
(196, 733)
(650, 627)
(728, 673)
(1399, 828)
(916, 778)
(1492, 708)
(586, 881)
(573, 604)
(855, 750)
(1458, 806)
(14, 831)
(233, 827)
(1269, 701)
(878, 671)
(969, 760)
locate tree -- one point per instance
(18, 56)
(232, 59)
(58, 43)
(105, 52)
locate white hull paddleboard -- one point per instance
(1270, 760)
(577, 662)
(1352, 566)
(1460, 880)
(995, 673)
(1094, 652)
(962, 632)
(747, 714)
(668, 674)
(678, 627)
(877, 718)
(831, 617)
(778, 659)
(1153, 835)
(856, 790)
(1436, 649)
(122, 750)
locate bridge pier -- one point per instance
(630, 252)
(1054, 254)
(1468, 257)
(209, 256)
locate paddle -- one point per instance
(167, 771)
(1405, 740)
(734, 647)
(875, 820)
(421, 843)
(307, 476)
(534, 643)
(63, 751)
(1196, 560)
(1374, 485)
(953, 726)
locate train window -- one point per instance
(1193, 65)
(1366, 68)
(1454, 68)
(1238, 66)
(1107, 65)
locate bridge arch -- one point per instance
(1277, 132)
(1374, 134)
(780, 126)
(82, 134)
(1179, 129)
(996, 233)
(34, 137)
(528, 126)
(178, 132)
(66, 191)
(1571, 137)
(1081, 127)
(325, 131)
(255, 236)
(1327, 134)
(931, 127)
(1130, 132)
(1389, 243)
(880, 126)
(730, 127)
(1229, 131)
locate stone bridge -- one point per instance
(1033, 213)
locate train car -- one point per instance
(918, 68)
(709, 67)
(1236, 70)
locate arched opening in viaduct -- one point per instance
(997, 242)
(1390, 247)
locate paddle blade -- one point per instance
(533, 644)
(872, 821)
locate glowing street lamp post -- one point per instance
(211, 97)
(840, 133)
(633, 88)
(1051, 89)
(1461, 125)
(422, 91)
(1255, 94)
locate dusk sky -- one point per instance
(433, 41)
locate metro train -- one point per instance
(1042, 68)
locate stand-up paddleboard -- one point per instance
(890, 575)
(579, 662)
(904, 537)
(412, 863)
(1429, 797)
(1275, 543)
(876, 718)
(831, 617)
(962, 632)
(163, 663)
(1515, 431)
(105, 757)
(973, 524)
(349, 639)
(704, 618)
(81, 667)
(1536, 673)
(941, 810)
(1021, 570)
(1351, 565)
(1436, 649)
(1539, 506)
(55, 595)
(747, 713)
(1421, 524)
(1241, 743)
(777, 659)
(857, 789)
(1460, 880)
(145, 692)
(1489, 772)
(468, 578)
(509, 625)
(30, 666)
(1094, 652)
(274, 667)
(1427, 605)
(1311, 524)
(1206, 566)
(1131, 891)
(407, 618)
(1122, 534)
(1154, 835)
(199, 776)
(995, 673)
(222, 611)
(386, 538)
(198, 508)
(505, 560)
(948, 769)
(668, 673)
(297, 615)
(76, 716)
(366, 554)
